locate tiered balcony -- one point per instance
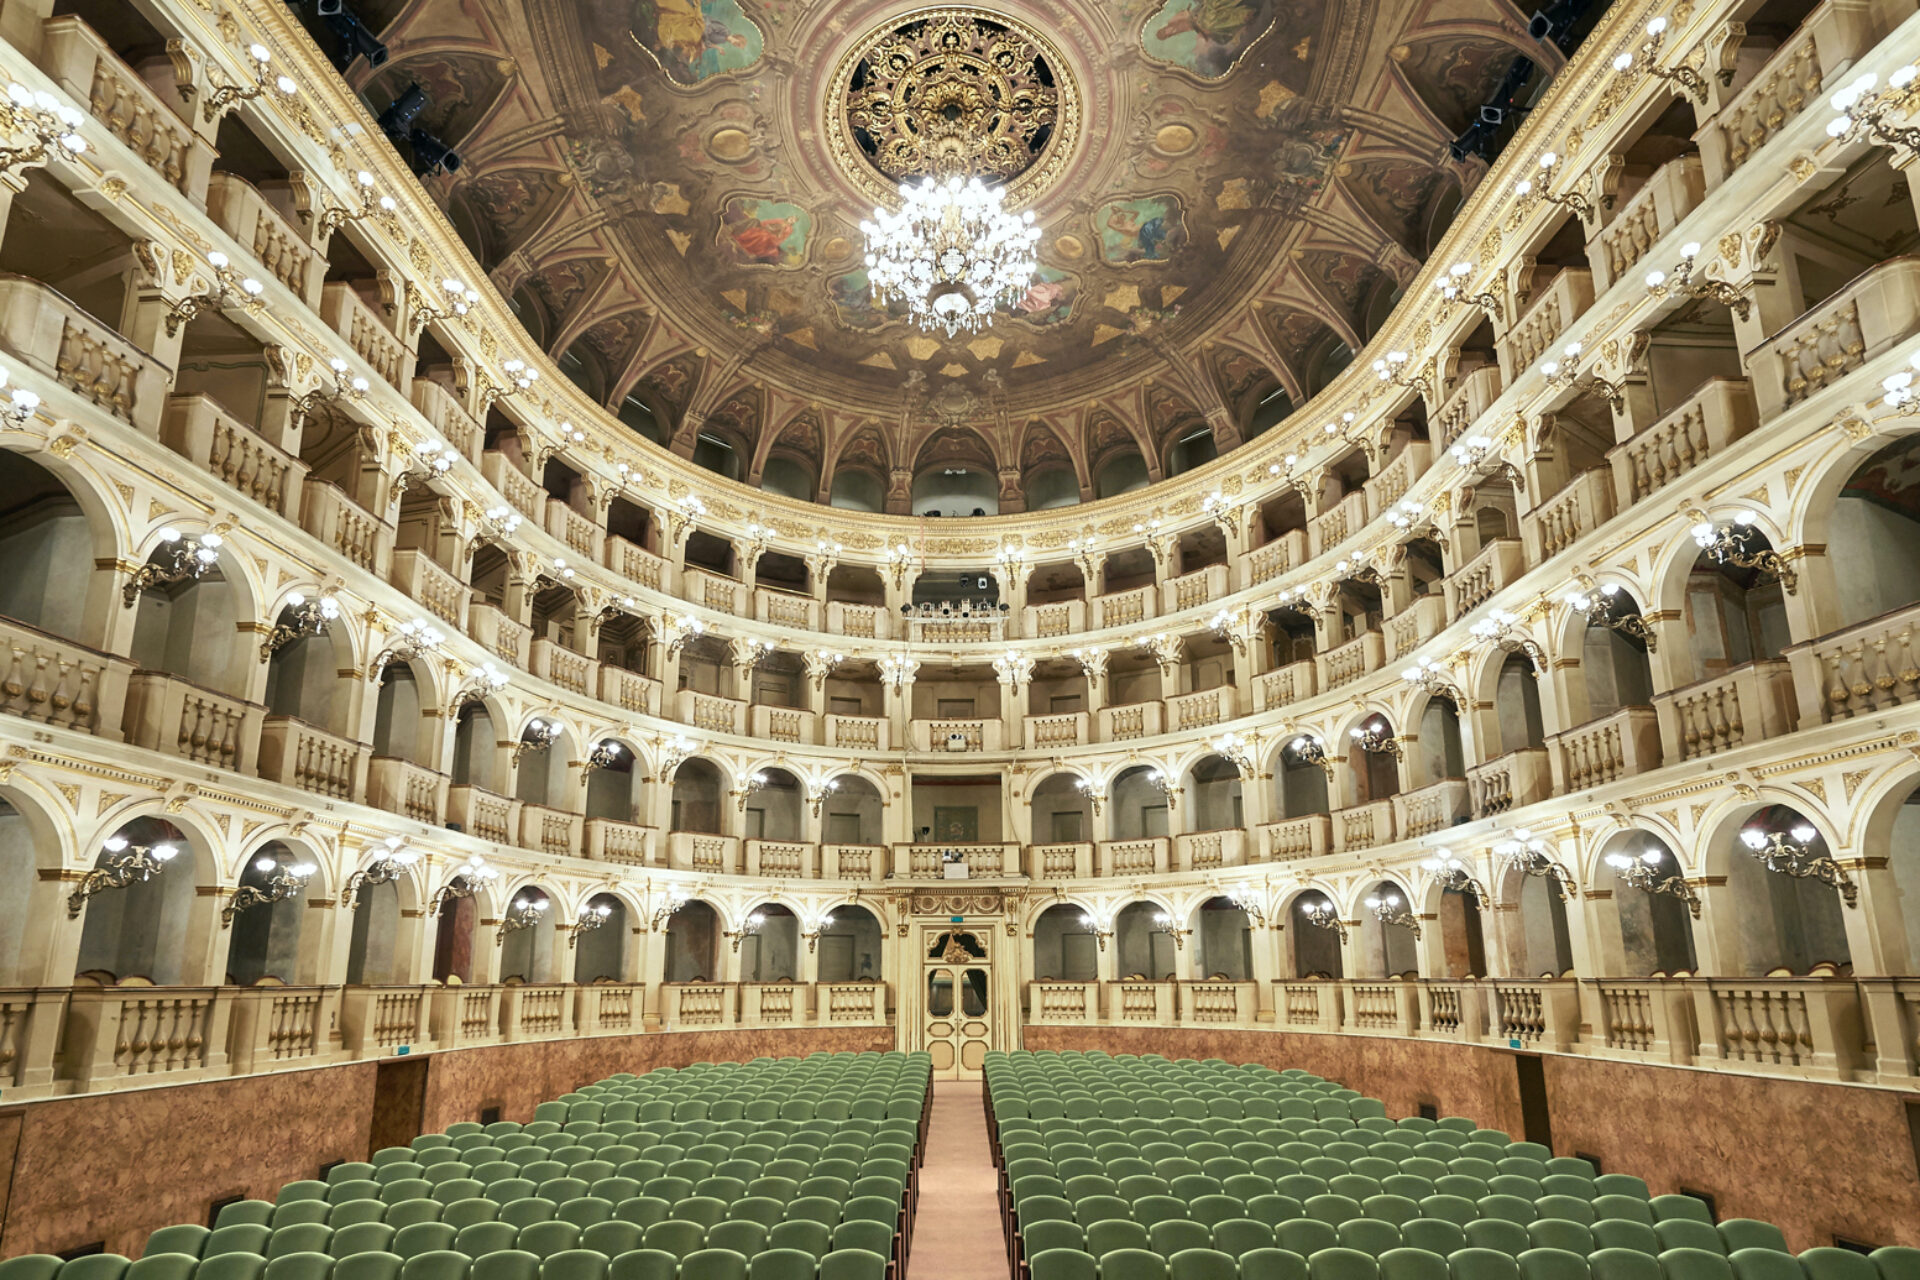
(178, 718)
(56, 682)
(1547, 317)
(482, 813)
(259, 228)
(1673, 192)
(521, 493)
(1498, 564)
(1747, 704)
(83, 64)
(1827, 40)
(1510, 782)
(297, 754)
(348, 314)
(1878, 310)
(1619, 746)
(65, 344)
(200, 430)
(416, 575)
(1718, 413)
(1868, 667)
(411, 790)
(332, 517)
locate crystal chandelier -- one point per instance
(951, 254)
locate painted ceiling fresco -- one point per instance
(659, 187)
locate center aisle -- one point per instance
(956, 1229)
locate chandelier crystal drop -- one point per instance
(952, 254)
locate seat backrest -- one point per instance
(1765, 1264)
(1623, 1264)
(1553, 1264)
(1272, 1264)
(1412, 1264)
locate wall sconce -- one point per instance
(19, 406)
(387, 866)
(1251, 901)
(1223, 511)
(1454, 877)
(1863, 111)
(818, 791)
(1681, 283)
(1504, 628)
(749, 651)
(748, 928)
(1013, 668)
(559, 571)
(302, 617)
(605, 754)
(897, 671)
(1095, 793)
(1089, 923)
(126, 864)
(1735, 545)
(1084, 553)
(44, 118)
(1477, 456)
(1565, 372)
(676, 898)
(226, 97)
(1573, 200)
(177, 560)
(1899, 388)
(411, 639)
(431, 460)
(820, 664)
(1392, 369)
(229, 289)
(1610, 607)
(1163, 923)
(1790, 853)
(674, 752)
(503, 521)
(674, 633)
(1160, 782)
(592, 917)
(900, 558)
(1239, 752)
(463, 883)
(1527, 853)
(746, 784)
(283, 884)
(1406, 514)
(524, 914)
(454, 294)
(1643, 873)
(1320, 913)
(1427, 674)
(1012, 562)
(1376, 739)
(1453, 290)
(1390, 911)
(1690, 81)
(489, 679)
(539, 735)
(333, 217)
(1309, 748)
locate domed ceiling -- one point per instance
(1230, 192)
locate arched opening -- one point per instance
(852, 811)
(1300, 783)
(788, 478)
(1214, 795)
(1314, 937)
(1516, 704)
(311, 677)
(692, 942)
(1191, 448)
(190, 628)
(638, 416)
(1065, 946)
(1782, 923)
(1389, 933)
(1615, 669)
(1735, 616)
(1656, 924)
(1293, 635)
(545, 765)
(774, 811)
(1143, 936)
(1222, 942)
(719, 455)
(374, 953)
(1440, 753)
(525, 934)
(1373, 761)
(1463, 945)
(48, 548)
(857, 490)
(146, 929)
(457, 917)
(20, 858)
(474, 748)
(599, 949)
(851, 945)
(698, 790)
(1270, 410)
(956, 491)
(1062, 811)
(398, 724)
(770, 947)
(1873, 538)
(1124, 472)
(1539, 944)
(266, 934)
(612, 791)
(1139, 804)
(1052, 487)
(1902, 851)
